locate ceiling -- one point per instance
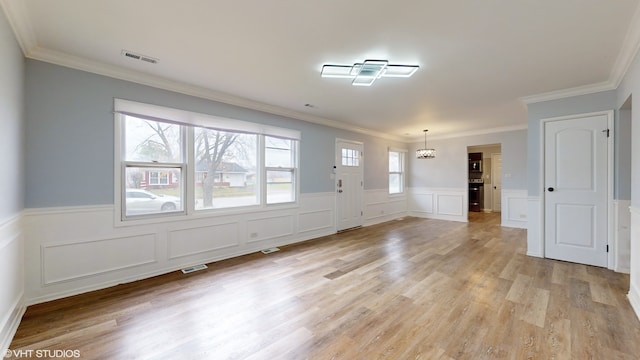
(478, 59)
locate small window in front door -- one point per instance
(350, 157)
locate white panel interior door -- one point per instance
(576, 189)
(349, 184)
(496, 179)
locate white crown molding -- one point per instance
(565, 93)
(18, 17)
(117, 72)
(628, 52)
(630, 47)
(474, 132)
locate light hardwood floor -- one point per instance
(406, 289)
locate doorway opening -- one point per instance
(485, 179)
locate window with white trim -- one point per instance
(396, 171)
(280, 169)
(172, 162)
(152, 150)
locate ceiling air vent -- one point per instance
(140, 57)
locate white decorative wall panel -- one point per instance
(634, 288)
(197, 240)
(622, 236)
(269, 228)
(422, 203)
(380, 206)
(315, 220)
(11, 278)
(67, 261)
(443, 204)
(514, 208)
(449, 204)
(79, 249)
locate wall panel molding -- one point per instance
(79, 249)
(11, 277)
(67, 261)
(315, 220)
(202, 239)
(622, 236)
(380, 206)
(634, 288)
(439, 203)
(514, 208)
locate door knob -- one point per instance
(551, 189)
(340, 191)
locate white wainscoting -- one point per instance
(379, 206)
(11, 279)
(78, 249)
(622, 236)
(514, 208)
(444, 204)
(634, 288)
(535, 239)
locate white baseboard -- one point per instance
(8, 331)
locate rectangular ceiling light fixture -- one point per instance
(365, 73)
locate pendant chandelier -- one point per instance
(425, 153)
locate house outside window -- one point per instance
(158, 178)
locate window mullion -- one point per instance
(190, 171)
(262, 170)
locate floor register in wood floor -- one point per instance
(407, 289)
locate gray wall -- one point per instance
(450, 167)
(11, 123)
(70, 136)
(622, 166)
(631, 85)
(569, 106)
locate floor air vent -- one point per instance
(269, 250)
(191, 269)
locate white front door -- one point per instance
(576, 189)
(496, 179)
(349, 184)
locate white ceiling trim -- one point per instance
(479, 132)
(630, 47)
(17, 15)
(121, 73)
(565, 93)
(627, 54)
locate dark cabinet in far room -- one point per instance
(476, 182)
